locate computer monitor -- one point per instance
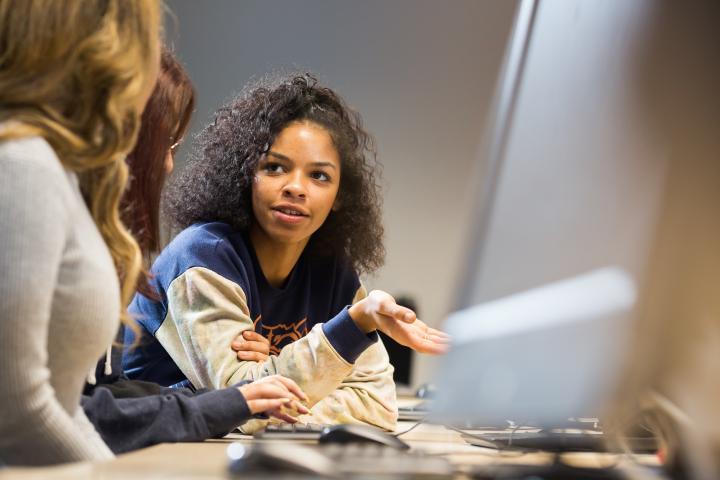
(538, 357)
(570, 180)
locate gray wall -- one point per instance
(422, 74)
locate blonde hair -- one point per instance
(74, 72)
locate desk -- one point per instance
(208, 461)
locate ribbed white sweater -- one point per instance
(59, 306)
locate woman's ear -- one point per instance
(336, 204)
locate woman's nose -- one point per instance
(295, 187)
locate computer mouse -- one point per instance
(355, 433)
(279, 458)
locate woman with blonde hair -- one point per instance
(74, 78)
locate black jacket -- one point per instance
(132, 414)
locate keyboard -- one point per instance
(557, 441)
(550, 472)
(356, 461)
(414, 413)
(291, 431)
(371, 460)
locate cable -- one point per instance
(410, 429)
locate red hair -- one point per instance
(164, 122)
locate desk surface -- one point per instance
(208, 460)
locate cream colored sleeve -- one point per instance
(365, 395)
(207, 311)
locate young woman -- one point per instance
(74, 78)
(131, 414)
(280, 213)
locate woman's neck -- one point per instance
(276, 259)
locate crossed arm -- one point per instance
(206, 313)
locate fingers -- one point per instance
(296, 406)
(432, 348)
(430, 333)
(251, 356)
(421, 338)
(430, 343)
(438, 336)
(264, 404)
(255, 337)
(253, 342)
(443, 340)
(404, 314)
(388, 307)
(291, 386)
(280, 386)
(261, 347)
(279, 414)
(257, 390)
(271, 406)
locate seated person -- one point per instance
(280, 212)
(132, 414)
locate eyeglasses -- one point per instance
(175, 146)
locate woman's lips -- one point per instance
(289, 215)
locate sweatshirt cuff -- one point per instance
(223, 410)
(345, 336)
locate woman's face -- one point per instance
(296, 184)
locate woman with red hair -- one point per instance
(132, 414)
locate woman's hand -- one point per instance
(378, 311)
(251, 346)
(272, 395)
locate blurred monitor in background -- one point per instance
(540, 357)
(603, 148)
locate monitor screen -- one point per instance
(571, 182)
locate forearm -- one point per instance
(311, 362)
(366, 395)
(127, 424)
(354, 405)
(207, 312)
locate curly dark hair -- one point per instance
(216, 185)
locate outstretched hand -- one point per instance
(275, 396)
(379, 311)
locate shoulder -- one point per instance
(31, 155)
(215, 246)
(34, 185)
(204, 245)
(200, 238)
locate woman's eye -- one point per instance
(322, 176)
(274, 168)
